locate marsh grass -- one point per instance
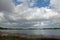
(23, 38)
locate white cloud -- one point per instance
(23, 16)
(55, 4)
(42, 13)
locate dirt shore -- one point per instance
(6, 34)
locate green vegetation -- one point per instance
(29, 28)
(21, 38)
(2, 28)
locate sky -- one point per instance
(29, 13)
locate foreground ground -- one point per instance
(23, 38)
(18, 36)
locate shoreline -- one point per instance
(28, 36)
(29, 28)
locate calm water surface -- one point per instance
(35, 32)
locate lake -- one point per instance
(35, 32)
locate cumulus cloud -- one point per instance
(55, 4)
(24, 16)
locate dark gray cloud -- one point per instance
(6, 5)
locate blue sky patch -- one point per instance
(16, 2)
(38, 3)
(42, 3)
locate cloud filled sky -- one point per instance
(29, 13)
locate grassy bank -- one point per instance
(23, 38)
